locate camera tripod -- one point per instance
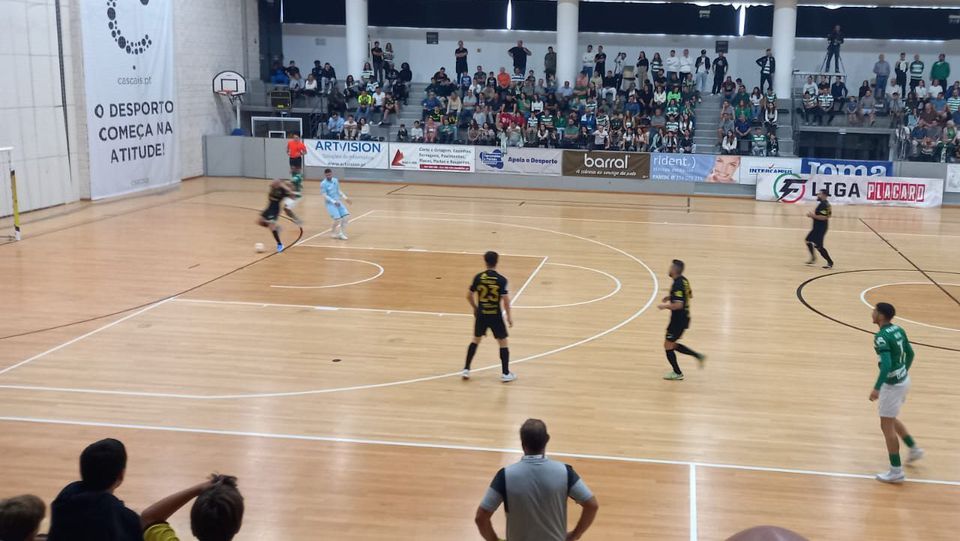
(825, 66)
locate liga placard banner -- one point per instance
(953, 178)
(131, 94)
(852, 190)
(695, 168)
(430, 157)
(751, 168)
(357, 154)
(519, 161)
(625, 165)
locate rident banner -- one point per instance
(358, 154)
(625, 165)
(131, 95)
(519, 161)
(852, 190)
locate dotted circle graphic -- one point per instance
(135, 48)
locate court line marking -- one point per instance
(618, 326)
(693, 502)
(530, 279)
(689, 224)
(863, 299)
(616, 289)
(412, 250)
(322, 308)
(327, 230)
(452, 447)
(345, 284)
(82, 336)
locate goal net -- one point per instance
(9, 207)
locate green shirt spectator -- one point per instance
(940, 70)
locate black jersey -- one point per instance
(823, 209)
(489, 286)
(680, 292)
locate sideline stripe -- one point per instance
(439, 446)
(693, 502)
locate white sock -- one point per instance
(343, 225)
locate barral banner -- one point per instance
(357, 154)
(852, 190)
(752, 168)
(131, 96)
(519, 161)
(854, 168)
(625, 165)
(695, 168)
(429, 157)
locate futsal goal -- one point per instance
(9, 206)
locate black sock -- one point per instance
(680, 348)
(505, 360)
(471, 351)
(672, 357)
(276, 235)
(823, 252)
(810, 248)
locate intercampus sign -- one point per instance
(627, 165)
(358, 154)
(519, 161)
(751, 168)
(695, 168)
(858, 168)
(852, 190)
(430, 157)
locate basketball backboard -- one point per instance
(229, 82)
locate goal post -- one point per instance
(8, 172)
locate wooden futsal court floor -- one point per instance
(325, 377)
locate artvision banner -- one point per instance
(357, 154)
(751, 168)
(695, 168)
(130, 95)
(519, 161)
(852, 190)
(857, 168)
(430, 157)
(625, 165)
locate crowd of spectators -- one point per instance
(89, 510)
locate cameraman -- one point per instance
(834, 41)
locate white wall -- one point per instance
(31, 114)
(306, 43)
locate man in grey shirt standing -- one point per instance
(882, 70)
(534, 494)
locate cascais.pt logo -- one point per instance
(789, 188)
(127, 44)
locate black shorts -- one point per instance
(494, 323)
(296, 162)
(815, 236)
(271, 213)
(676, 328)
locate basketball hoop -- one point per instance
(232, 85)
(233, 96)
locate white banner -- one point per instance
(852, 190)
(519, 161)
(953, 178)
(130, 95)
(751, 168)
(359, 154)
(429, 157)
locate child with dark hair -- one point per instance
(216, 515)
(20, 517)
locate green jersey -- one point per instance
(297, 180)
(895, 353)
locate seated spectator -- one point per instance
(864, 87)
(216, 515)
(810, 86)
(744, 109)
(351, 130)
(659, 97)
(431, 131)
(429, 103)
(773, 145)
(726, 126)
(364, 105)
(609, 86)
(488, 136)
(328, 78)
(292, 69)
(403, 135)
(756, 97)
(416, 132)
(669, 142)
(868, 107)
(728, 89)
(335, 126)
(310, 87)
(390, 107)
(20, 517)
(727, 109)
(601, 138)
(949, 142)
(825, 107)
(935, 88)
(742, 128)
(769, 97)
(351, 88)
(367, 75)
(758, 143)
(939, 103)
(655, 140)
(921, 90)
(336, 102)
(363, 127)
(729, 144)
(685, 142)
(447, 131)
(503, 79)
(895, 108)
(474, 134)
(770, 118)
(296, 83)
(809, 108)
(852, 109)
(279, 76)
(87, 510)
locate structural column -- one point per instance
(784, 41)
(357, 32)
(568, 27)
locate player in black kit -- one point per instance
(821, 216)
(268, 218)
(678, 302)
(490, 300)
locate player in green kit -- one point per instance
(296, 180)
(896, 356)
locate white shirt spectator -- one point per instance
(811, 87)
(378, 98)
(618, 65)
(416, 133)
(536, 106)
(934, 90)
(671, 63)
(296, 84)
(921, 91)
(588, 59)
(686, 64)
(310, 84)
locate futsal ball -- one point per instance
(258, 247)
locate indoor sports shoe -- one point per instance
(828, 266)
(341, 236)
(811, 261)
(465, 373)
(895, 475)
(916, 454)
(279, 248)
(701, 358)
(507, 378)
(673, 376)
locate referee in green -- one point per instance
(534, 494)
